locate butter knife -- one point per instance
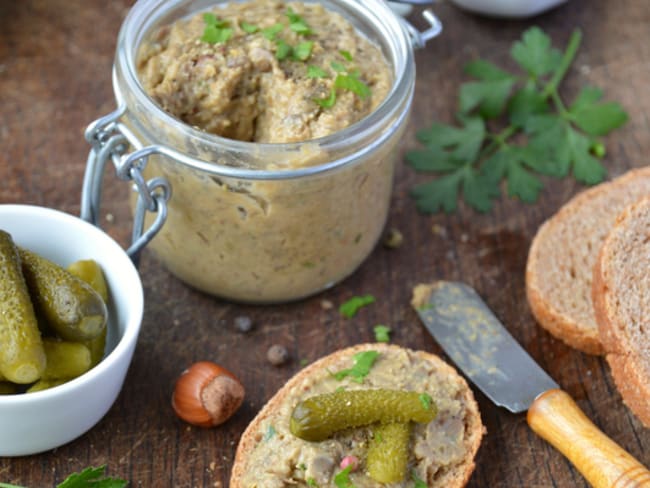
(482, 348)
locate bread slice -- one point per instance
(621, 296)
(562, 256)
(442, 451)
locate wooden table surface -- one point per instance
(55, 78)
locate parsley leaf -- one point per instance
(425, 400)
(382, 333)
(350, 308)
(249, 28)
(272, 32)
(90, 477)
(419, 483)
(539, 135)
(327, 102)
(338, 67)
(302, 51)
(216, 30)
(362, 362)
(346, 55)
(282, 50)
(353, 84)
(342, 478)
(314, 71)
(297, 24)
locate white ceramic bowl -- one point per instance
(508, 8)
(36, 422)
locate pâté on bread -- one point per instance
(441, 452)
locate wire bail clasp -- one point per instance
(110, 139)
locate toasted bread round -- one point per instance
(621, 296)
(562, 256)
(442, 451)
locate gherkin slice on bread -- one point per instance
(441, 452)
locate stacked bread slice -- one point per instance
(588, 278)
(621, 296)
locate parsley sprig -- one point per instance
(216, 31)
(88, 478)
(542, 134)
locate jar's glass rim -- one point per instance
(140, 18)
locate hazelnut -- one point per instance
(207, 394)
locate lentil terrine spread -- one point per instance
(264, 71)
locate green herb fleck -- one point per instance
(297, 24)
(272, 32)
(302, 51)
(342, 478)
(216, 30)
(249, 28)
(282, 50)
(327, 102)
(338, 67)
(362, 362)
(425, 400)
(419, 483)
(378, 437)
(302, 467)
(350, 308)
(346, 55)
(425, 307)
(340, 388)
(382, 333)
(353, 84)
(314, 71)
(537, 134)
(311, 482)
(270, 432)
(304, 362)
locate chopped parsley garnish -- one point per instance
(353, 84)
(270, 432)
(314, 71)
(346, 55)
(362, 362)
(342, 478)
(419, 483)
(302, 51)
(514, 127)
(302, 467)
(426, 400)
(350, 308)
(272, 32)
(326, 102)
(249, 28)
(382, 333)
(338, 67)
(216, 30)
(283, 50)
(297, 24)
(312, 482)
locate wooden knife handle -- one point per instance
(555, 417)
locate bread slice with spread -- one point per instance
(562, 257)
(621, 296)
(440, 453)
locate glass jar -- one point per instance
(260, 222)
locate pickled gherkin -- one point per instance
(69, 305)
(41, 385)
(388, 452)
(90, 271)
(65, 359)
(319, 417)
(22, 358)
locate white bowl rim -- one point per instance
(132, 327)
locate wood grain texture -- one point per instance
(556, 418)
(55, 65)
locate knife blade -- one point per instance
(478, 343)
